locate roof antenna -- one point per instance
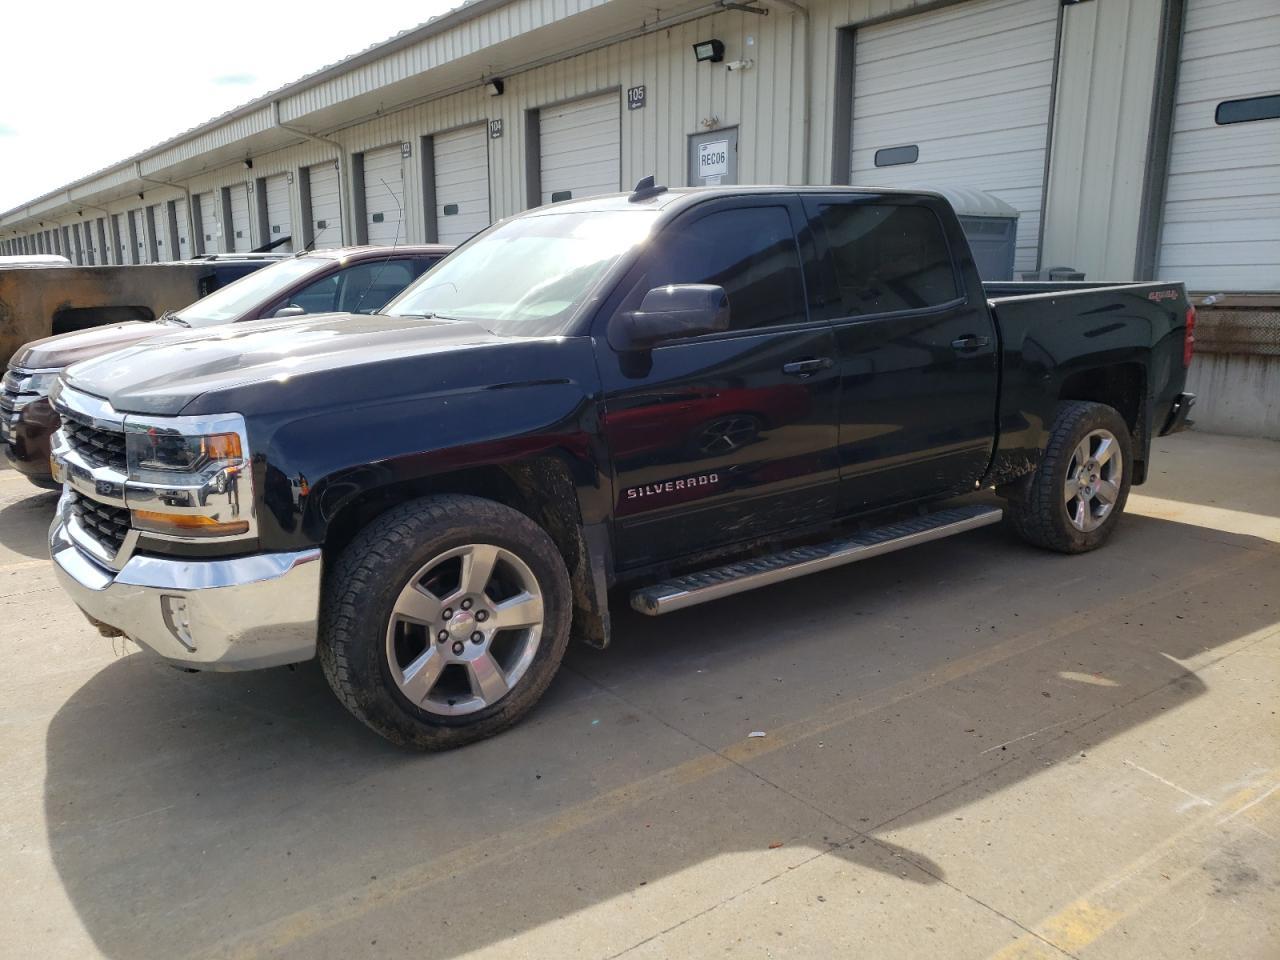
(645, 189)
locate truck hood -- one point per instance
(64, 349)
(164, 377)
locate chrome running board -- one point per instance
(694, 588)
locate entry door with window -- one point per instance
(916, 351)
(724, 437)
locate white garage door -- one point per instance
(120, 239)
(959, 97)
(241, 235)
(210, 234)
(141, 253)
(384, 195)
(326, 206)
(183, 249)
(581, 148)
(462, 183)
(279, 216)
(1221, 227)
(160, 223)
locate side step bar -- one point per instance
(695, 588)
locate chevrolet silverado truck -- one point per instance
(350, 280)
(675, 395)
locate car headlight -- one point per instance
(42, 383)
(185, 485)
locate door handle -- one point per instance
(803, 368)
(970, 342)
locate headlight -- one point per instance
(42, 383)
(185, 483)
(150, 449)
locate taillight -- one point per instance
(1189, 338)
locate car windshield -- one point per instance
(526, 277)
(230, 302)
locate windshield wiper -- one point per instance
(428, 316)
(170, 317)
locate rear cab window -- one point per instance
(885, 256)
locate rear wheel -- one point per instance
(1073, 500)
(445, 620)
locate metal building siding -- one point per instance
(1221, 218)
(326, 210)
(461, 162)
(971, 87)
(580, 148)
(241, 217)
(384, 195)
(279, 212)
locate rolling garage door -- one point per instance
(279, 216)
(959, 97)
(210, 232)
(241, 234)
(120, 252)
(139, 238)
(384, 195)
(462, 183)
(581, 148)
(160, 224)
(1221, 224)
(183, 249)
(326, 206)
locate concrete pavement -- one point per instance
(974, 749)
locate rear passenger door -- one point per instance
(725, 437)
(915, 346)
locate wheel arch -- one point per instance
(1122, 386)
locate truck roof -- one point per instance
(673, 196)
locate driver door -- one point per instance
(721, 438)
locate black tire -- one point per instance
(1036, 508)
(360, 594)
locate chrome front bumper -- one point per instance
(242, 613)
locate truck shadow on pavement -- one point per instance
(24, 524)
(245, 815)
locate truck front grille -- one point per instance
(13, 398)
(101, 448)
(105, 523)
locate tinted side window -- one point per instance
(750, 251)
(367, 286)
(887, 257)
(318, 297)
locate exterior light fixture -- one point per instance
(495, 87)
(248, 163)
(708, 51)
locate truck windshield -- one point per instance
(527, 277)
(230, 303)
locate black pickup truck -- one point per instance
(685, 393)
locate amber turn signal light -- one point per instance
(187, 524)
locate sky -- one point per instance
(88, 84)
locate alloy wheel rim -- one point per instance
(464, 630)
(1092, 485)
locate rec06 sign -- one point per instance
(713, 159)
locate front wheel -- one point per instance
(1077, 493)
(445, 620)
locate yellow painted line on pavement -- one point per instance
(1141, 882)
(23, 565)
(352, 904)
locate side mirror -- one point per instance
(292, 310)
(673, 312)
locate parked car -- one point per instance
(432, 500)
(353, 279)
